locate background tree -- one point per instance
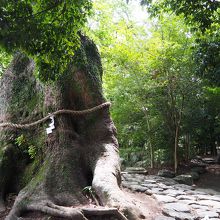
(154, 65)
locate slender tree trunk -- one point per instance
(150, 141)
(187, 147)
(176, 146)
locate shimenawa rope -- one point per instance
(58, 112)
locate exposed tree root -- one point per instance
(49, 208)
(106, 182)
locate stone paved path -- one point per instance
(178, 201)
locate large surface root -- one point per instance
(78, 213)
(106, 184)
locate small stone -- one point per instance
(148, 192)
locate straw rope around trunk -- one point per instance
(58, 112)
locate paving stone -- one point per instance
(173, 192)
(149, 181)
(178, 215)
(162, 217)
(179, 201)
(169, 182)
(149, 185)
(208, 191)
(196, 206)
(186, 197)
(164, 198)
(183, 186)
(210, 203)
(138, 188)
(217, 210)
(157, 191)
(130, 179)
(209, 197)
(187, 202)
(163, 186)
(190, 203)
(209, 214)
(177, 206)
(129, 184)
(196, 192)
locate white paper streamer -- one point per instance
(49, 130)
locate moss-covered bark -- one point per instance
(82, 151)
(20, 101)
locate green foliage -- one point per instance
(151, 78)
(89, 192)
(198, 12)
(5, 59)
(203, 17)
(26, 147)
(20, 140)
(162, 156)
(88, 189)
(207, 56)
(47, 30)
(32, 151)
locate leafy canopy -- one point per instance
(47, 30)
(201, 12)
(204, 19)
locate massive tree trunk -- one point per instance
(81, 151)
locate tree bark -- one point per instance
(81, 151)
